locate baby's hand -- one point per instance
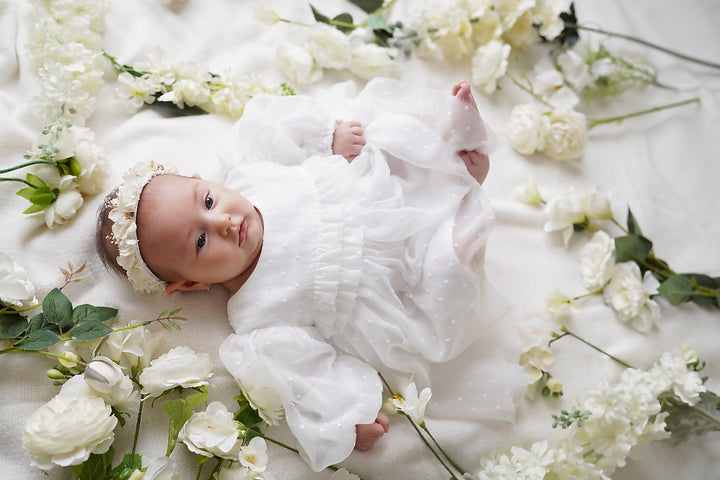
(477, 164)
(369, 433)
(348, 140)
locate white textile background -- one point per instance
(663, 166)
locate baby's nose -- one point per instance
(223, 223)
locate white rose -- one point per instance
(567, 135)
(597, 261)
(136, 346)
(297, 63)
(329, 46)
(180, 367)
(16, 289)
(213, 432)
(161, 468)
(629, 297)
(370, 61)
(489, 63)
(67, 203)
(94, 165)
(108, 380)
(527, 128)
(264, 399)
(70, 427)
(562, 212)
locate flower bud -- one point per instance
(55, 374)
(554, 385)
(68, 359)
(102, 374)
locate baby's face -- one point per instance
(197, 231)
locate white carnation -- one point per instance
(597, 261)
(629, 297)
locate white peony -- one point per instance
(527, 128)
(597, 261)
(213, 432)
(180, 367)
(369, 61)
(329, 46)
(412, 404)
(562, 213)
(629, 297)
(297, 63)
(489, 63)
(567, 135)
(16, 289)
(107, 379)
(70, 427)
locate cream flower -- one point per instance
(67, 203)
(213, 432)
(134, 347)
(136, 91)
(412, 404)
(444, 29)
(369, 61)
(161, 468)
(596, 204)
(559, 305)
(297, 63)
(527, 128)
(489, 63)
(527, 192)
(180, 367)
(597, 261)
(79, 142)
(16, 289)
(253, 456)
(566, 136)
(263, 398)
(574, 70)
(629, 297)
(329, 46)
(70, 427)
(266, 14)
(672, 372)
(563, 212)
(107, 379)
(546, 14)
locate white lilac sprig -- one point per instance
(187, 88)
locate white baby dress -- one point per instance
(374, 265)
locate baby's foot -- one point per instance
(463, 92)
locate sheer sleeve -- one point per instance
(324, 394)
(284, 130)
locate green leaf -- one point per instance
(75, 167)
(632, 247)
(676, 289)
(89, 330)
(632, 224)
(368, 6)
(376, 22)
(180, 411)
(26, 192)
(126, 467)
(570, 34)
(344, 18)
(38, 322)
(706, 281)
(319, 17)
(35, 180)
(58, 310)
(12, 325)
(42, 196)
(90, 313)
(685, 420)
(38, 340)
(95, 467)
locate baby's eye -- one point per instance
(200, 241)
(209, 202)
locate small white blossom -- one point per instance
(134, 347)
(297, 63)
(369, 61)
(445, 30)
(596, 204)
(266, 14)
(213, 432)
(489, 64)
(107, 379)
(136, 91)
(329, 46)
(562, 212)
(16, 289)
(67, 203)
(161, 468)
(527, 192)
(253, 456)
(559, 305)
(413, 404)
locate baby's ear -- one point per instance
(185, 286)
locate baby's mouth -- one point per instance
(242, 232)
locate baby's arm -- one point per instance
(348, 140)
(369, 433)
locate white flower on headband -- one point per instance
(124, 228)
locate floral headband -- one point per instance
(124, 227)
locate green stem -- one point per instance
(455, 465)
(567, 332)
(136, 435)
(644, 42)
(589, 294)
(285, 446)
(593, 122)
(27, 164)
(15, 179)
(422, 437)
(617, 224)
(530, 91)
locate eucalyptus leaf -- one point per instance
(632, 248)
(12, 325)
(676, 289)
(686, 420)
(38, 340)
(368, 6)
(58, 310)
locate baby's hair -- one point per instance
(104, 244)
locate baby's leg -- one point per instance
(477, 163)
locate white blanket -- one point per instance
(663, 166)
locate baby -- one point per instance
(337, 269)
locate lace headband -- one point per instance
(124, 227)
